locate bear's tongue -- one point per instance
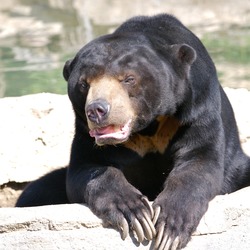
(106, 130)
(111, 131)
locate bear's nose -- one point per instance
(98, 110)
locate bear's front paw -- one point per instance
(126, 212)
(174, 224)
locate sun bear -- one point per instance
(151, 123)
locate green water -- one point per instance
(47, 34)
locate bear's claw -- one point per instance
(141, 225)
(148, 205)
(148, 226)
(138, 229)
(157, 211)
(143, 229)
(163, 241)
(124, 229)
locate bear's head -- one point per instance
(120, 84)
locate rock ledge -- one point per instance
(226, 225)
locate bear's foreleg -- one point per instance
(113, 199)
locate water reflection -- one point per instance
(37, 36)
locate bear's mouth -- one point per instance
(111, 134)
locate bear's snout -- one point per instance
(97, 111)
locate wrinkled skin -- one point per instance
(152, 123)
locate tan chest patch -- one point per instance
(167, 128)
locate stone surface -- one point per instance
(36, 133)
(226, 225)
(240, 100)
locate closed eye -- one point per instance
(130, 80)
(83, 84)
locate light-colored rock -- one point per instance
(240, 100)
(36, 132)
(226, 225)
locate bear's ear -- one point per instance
(184, 53)
(67, 69)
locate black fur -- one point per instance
(175, 77)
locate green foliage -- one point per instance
(231, 48)
(35, 81)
